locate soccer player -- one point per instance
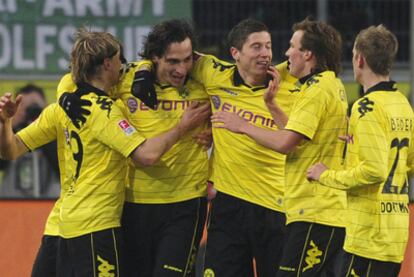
(315, 214)
(380, 137)
(165, 206)
(95, 157)
(247, 215)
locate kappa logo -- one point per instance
(313, 80)
(105, 268)
(126, 127)
(312, 257)
(209, 273)
(105, 104)
(229, 91)
(365, 106)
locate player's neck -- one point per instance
(100, 84)
(252, 80)
(370, 79)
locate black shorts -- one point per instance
(311, 249)
(353, 265)
(96, 254)
(45, 262)
(163, 239)
(240, 231)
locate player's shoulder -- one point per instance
(66, 84)
(213, 62)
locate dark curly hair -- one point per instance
(165, 33)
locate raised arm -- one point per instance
(11, 147)
(279, 116)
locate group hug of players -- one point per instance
(302, 190)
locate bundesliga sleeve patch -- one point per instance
(126, 127)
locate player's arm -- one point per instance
(278, 115)
(373, 157)
(150, 151)
(282, 141)
(11, 147)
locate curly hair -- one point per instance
(165, 33)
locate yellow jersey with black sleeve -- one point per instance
(319, 114)
(182, 172)
(95, 164)
(375, 178)
(241, 167)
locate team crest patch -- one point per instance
(216, 101)
(126, 127)
(132, 104)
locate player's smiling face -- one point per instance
(295, 55)
(172, 68)
(255, 57)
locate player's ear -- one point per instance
(360, 61)
(307, 55)
(234, 53)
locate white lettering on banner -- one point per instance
(8, 6)
(65, 42)
(93, 6)
(18, 49)
(50, 39)
(109, 8)
(51, 6)
(43, 48)
(158, 7)
(5, 47)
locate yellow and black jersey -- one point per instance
(380, 136)
(319, 114)
(182, 172)
(241, 167)
(93, 188)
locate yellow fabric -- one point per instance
(182, 172)
(320, 115)
(240, 166)
(93, 200)
(381, 133)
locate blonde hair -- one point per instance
(89, 52)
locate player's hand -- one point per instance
(74, 107)
(273, 86)
(143, 88)
(314, 172)
(195, 115)
(229, 121)
(8, 107)
(204, 138)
